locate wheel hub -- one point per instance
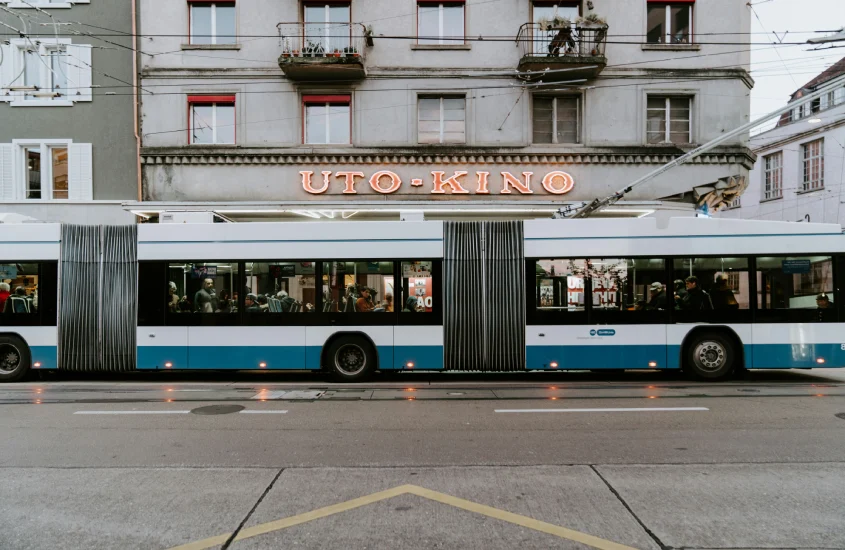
(350, 359)
(10, 358)
(711, 355)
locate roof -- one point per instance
(835, 70)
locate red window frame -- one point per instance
(201, 3)
(228, 99)
(454, 2)
(337, 99)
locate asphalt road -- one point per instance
(566, 460)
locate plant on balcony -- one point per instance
(591, 20)
(313, 49)
(350, 51)
(557, 22)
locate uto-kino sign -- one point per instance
(387, 182)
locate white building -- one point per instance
(800, 166)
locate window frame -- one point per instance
(327, 101)
(327, 4)
(47, 313)
(667, 21)
(20, 147)
(213, 5)
(435, 316)
(770, 190)
(198, 319)
(440, 38)
(667, 113)
(808, 316)
(214, 101)
(442, 97)
(18, 47)
(275, 318)
(578, 116)
(807, 184)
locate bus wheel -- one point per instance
(710, 356)
(14, 358)
(351, 359)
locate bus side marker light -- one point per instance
(409, 365)
(820, 360)
(553, 364)
(262, 365)
(36, 365)
(652, 363)
(168, 365)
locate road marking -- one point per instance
(288, 394)
(132, 412)
(247, 411)
(495, 513)
(632, 409)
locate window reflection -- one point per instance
(560, 285)
(358, 287)
(417, 287)
(628, 284)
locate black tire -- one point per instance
(15, 358)
(351, 359)
(710, 356)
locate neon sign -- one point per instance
(460, 182)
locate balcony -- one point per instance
(546, 50)
(322, 51)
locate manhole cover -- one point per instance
(218, 409)
(749, 391)
(841, 415)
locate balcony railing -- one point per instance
(565, 46)
(322, 40)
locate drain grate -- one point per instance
(218, 409)
(840, 415)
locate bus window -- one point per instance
(205, 287)
(358, 287)
(629, 284)
(417, 287)
(288, 287)
(703, 285)
(560, 285)
(18, 289)
(787, 284)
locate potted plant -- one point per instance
(336, 52)
(350, 51)
(591, 20)
(296, 53)
(557, 22)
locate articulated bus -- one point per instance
(709, 296)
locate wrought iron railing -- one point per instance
(536, 40)
(327, 40)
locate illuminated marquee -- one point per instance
(386, 182)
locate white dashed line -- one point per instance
(645, 409)
(247, 411)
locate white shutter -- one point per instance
(79, 65)
(7, 172)
(80, 172)
(7, 70)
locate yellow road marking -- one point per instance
(495, 513)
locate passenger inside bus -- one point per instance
(17, 302)
(823, 302)
(5, 292)
(657, 301)
(721, 295)
(363, 304)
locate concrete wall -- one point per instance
(823, 205)
(107, 121)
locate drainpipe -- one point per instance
(136, 98)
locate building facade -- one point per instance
(800, 164)
(308, 105)
(68, 150)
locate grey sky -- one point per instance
(777, 79)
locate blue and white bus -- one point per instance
(708, 296)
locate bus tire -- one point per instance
(15, 358)
(351, 358)
(710, 356)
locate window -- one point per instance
(18, 289)
(703, 285)
(630, 284)
(417, 288)
(839, 96)
(812, 160)
(668, 120)
(328, 119)
(205, 288)
(735, 203)
(670, 22)
(327, 28)
(212, 22)
(358, 287)
(44, 72)
(288, 287)
(212, 119)
(773, 176)
(560, 285)
(796, 283)
(440, 22)
(442, 120)
(45, 170)
(556, 120)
